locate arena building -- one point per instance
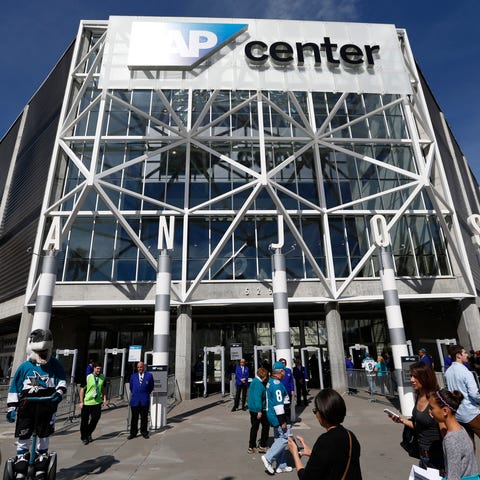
(245, 137)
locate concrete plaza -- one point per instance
(204, 440)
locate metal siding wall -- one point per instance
(7, 145)
(457, 182)
(27, 189)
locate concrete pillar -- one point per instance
(469, 325)
(183, 351)
(23, 332)
(336, 352)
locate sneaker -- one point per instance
(90, 439)
(252, 450)
(85, 441)
(268, 466)
(41, 463)
(20, 466)
(262, 449)
(284, 469)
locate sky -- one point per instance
(443, 36)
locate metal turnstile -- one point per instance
(115, 352)
(442, 347)
(263, 352)
(305, 360)
(218, 360)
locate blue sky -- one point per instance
(443, 36)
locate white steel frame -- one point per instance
(422, 141)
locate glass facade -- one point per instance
(226, 163)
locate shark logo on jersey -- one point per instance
(177, 45)
(36, 382)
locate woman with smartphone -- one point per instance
(336, 453)
(429, 433)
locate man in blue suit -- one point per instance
(141, 386)
(241, 381)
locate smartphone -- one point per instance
(391, 414)
(299, 445)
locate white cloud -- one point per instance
(320, 10)
(323, 10)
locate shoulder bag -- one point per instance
(410, 442)
(344, 476)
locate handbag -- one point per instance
(410, 442)
(349, 456)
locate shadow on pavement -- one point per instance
(95, 465)
(182, 416)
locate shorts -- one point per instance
(35, 415)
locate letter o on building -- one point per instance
(380, 235)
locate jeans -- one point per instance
(277, 450)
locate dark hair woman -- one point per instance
(427, 430)
(460, 459)
(336, 453)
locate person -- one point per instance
(241, 382)
(392, 384)
(41, 375)
(300, 375)
(368, 365)
(350, 369)
(457, 449)
(141, 386)
(336, 453)
(92, 396)
(257, 407)
(276, 394)
(422, 353)
(460, 378)
(89, 368)
(289, 384)
(381, 369)
(427, 430)
(447, 361)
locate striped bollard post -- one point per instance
(46, 288)
(161, 338)
(280, 308)
(393, 312)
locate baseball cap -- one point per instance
(278, 366)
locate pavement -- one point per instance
(204, 440)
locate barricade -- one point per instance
(373, 384)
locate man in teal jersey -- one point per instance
(92, 397)
(276, 396)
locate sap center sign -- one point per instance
(167, 52)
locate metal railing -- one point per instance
(372, 383)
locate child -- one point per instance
(457, 446)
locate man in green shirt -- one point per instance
(92, 397)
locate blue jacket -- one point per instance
(140, 394)
(256, 396)
(299, 373)
(239, 375)
(288, 382)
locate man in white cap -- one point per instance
(40, 376)
(276, 396)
